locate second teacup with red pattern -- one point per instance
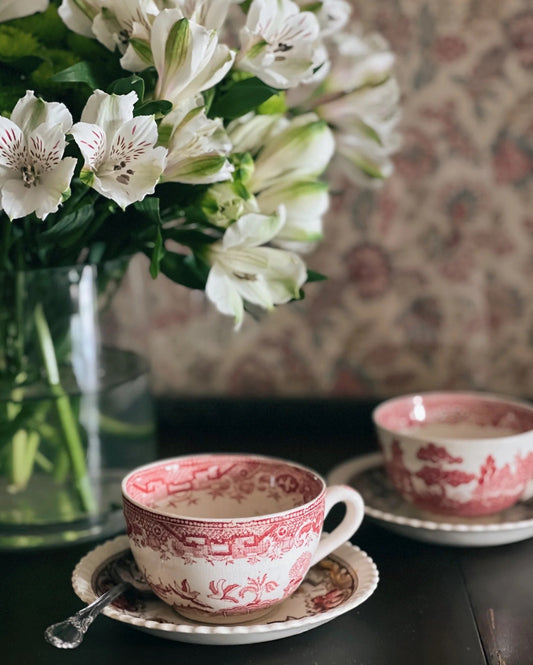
(223, 537)
(464, 454)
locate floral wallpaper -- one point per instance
(429, 277)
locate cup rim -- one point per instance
(222, 520)
(481, 395)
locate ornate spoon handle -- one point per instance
(69, 634)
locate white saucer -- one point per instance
(384, 505)
(334, 586)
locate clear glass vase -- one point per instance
(75, 407)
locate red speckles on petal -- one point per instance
(96, 146)
(12, 149)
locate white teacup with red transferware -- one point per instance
(223, 537)
(464, 454)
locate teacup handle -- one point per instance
(355, 511)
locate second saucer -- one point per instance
(386, 507)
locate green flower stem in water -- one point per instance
(66, 415)
(23, 450)
(19, 316)
(119, 428)
(61, 466)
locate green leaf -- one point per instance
(149, 207)
(68, 229)
(275, 104)
(81, 72)
(27, 64)
(157, 253)
(313, 276)
(46, 26)
(245, 6)
(12, 88)
(125, 85)
(189, 237)
(87, 49)
(16, 44)
(41, 78)
(185, 269)
(241, 97)
(157, 107)
(96, 252)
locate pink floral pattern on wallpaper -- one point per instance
(429, 277)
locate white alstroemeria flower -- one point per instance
(288, 157)
(78, 15)
(243, 270)
(332, 15)
(252, 131)
(359, 99)
(365, 127)
(363, 160)
(187, 57)
(280, 44)
(358, 61)
(121, 162)
(197, 146)
(122, 22)
(10, 9)
(211, 15)
(301, 151)
(306, 202)
(34, 176)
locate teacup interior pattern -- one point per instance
(460, 416)
(222, 487)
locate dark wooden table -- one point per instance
(434, 605)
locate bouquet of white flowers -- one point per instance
(193, 131)
(172, 123)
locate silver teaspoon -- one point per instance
(69, 634)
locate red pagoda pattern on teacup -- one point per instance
(495, 488)
(327, 585)
(230, 598)
(257, 539)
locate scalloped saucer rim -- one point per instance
(398, 515)
(279, 623)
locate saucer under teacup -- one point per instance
(386, 507)
(332, 587)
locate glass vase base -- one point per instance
(18, 532)
(52, 536)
